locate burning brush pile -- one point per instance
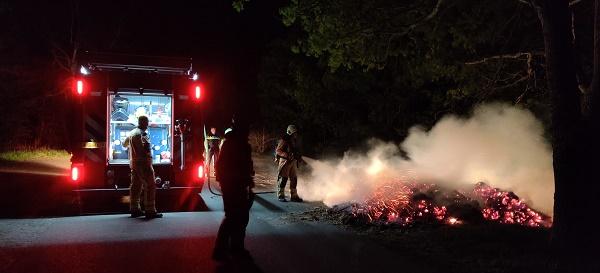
(405, 204)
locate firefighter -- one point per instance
(235, 173)
(142, 173)
(288, 157)
(213, 141)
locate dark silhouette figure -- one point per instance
(235, 173)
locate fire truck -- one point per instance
(109, 93)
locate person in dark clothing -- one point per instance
(235, 173)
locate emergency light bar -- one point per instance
(140, 68)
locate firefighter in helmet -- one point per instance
(142, 173)
(235, 173)
(288, 157)
(214, 143)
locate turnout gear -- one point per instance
(235, 173)
(288, 157)
(281, 182)
(142, 172)
(214, 146)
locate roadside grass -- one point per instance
(28, 154)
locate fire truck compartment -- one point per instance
(124, 109)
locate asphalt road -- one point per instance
(33, 240)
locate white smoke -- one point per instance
(499, 144)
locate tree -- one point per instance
(575, 140)
(575, 146)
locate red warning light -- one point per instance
(200, 171)
(75, 173)
(197, 92)
(78, 86)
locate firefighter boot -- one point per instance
(281, 181)
(293, 184)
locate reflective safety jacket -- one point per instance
(140, 150)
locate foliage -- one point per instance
(351, 70)
(238, 5)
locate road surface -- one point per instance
(183, 241)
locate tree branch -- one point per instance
(518, 55)
(571, 4)
(411, 27)
(574, 2)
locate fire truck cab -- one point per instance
(109, 93)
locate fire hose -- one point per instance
(262, 177)
(219, 194)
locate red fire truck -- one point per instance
(109, 93)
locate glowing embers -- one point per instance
(506, 207)
(403, 203)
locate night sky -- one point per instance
(226, 46)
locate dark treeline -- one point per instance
(344, 72)
(351, 70)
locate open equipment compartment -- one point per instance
(124, 109)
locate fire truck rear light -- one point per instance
(198, 92)
(79, 87)
(200, 171)
(75, 173)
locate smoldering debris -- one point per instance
(500, 145)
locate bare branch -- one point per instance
(411, 27)
(529, 3)
(574, 2)
(518, 55)
(526, 77)
(430, 16)
(61, 57)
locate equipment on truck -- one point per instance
(107, 100)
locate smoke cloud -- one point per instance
(499, 144)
